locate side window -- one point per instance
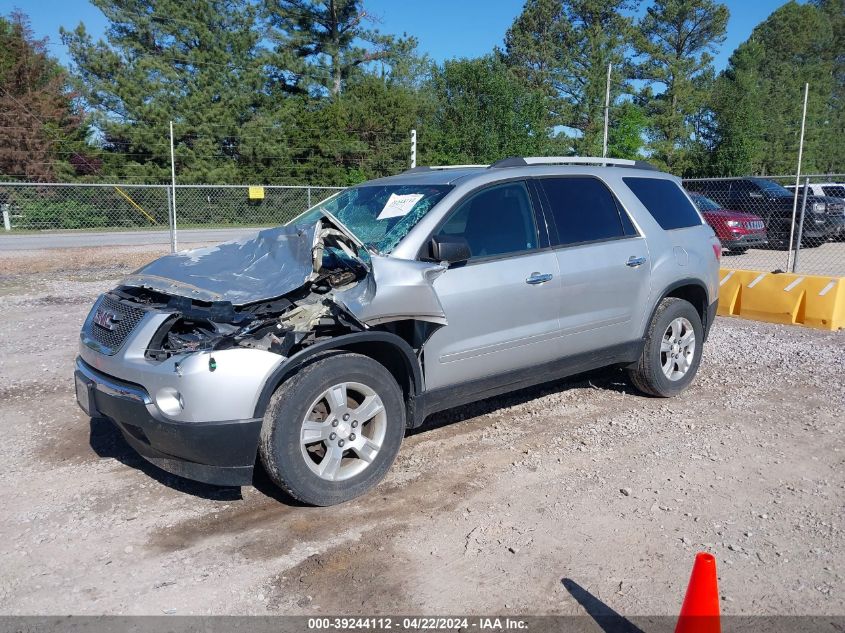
(665, 201)
(584, 210)
(495, 221)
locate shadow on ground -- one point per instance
(608, 620)
(608, 379)
(106, 441)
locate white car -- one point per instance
(829, 189)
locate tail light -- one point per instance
(717, 250)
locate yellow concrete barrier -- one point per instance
(810, 300)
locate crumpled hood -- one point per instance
(270, 264)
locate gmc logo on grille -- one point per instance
(106, 319)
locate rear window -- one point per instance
(584, 210)
(665, 201)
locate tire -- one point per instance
(293, 456)
(737, 251)
(649, 374)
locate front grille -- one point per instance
(126, 319)
(754, 225)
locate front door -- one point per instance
(502, 304)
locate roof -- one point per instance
(446, 175)
(429, 177)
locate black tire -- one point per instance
(737, 251)
(279, 446)
(647, 375)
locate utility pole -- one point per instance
(413, 148)
(797, 179)
(606, 112)
(173, 244)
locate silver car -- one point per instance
(315, 345)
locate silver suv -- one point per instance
(315, 345)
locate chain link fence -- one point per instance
(56, 207)
(753, 216)
(764, 227)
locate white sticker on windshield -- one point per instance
(398, 206)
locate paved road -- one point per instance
(35, 241)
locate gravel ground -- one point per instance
(489, 507)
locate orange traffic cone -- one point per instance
(700, 610)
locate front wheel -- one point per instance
(333, 429)
(672, 350)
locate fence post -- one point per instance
(7, 221)
(413, 148)
(173, 244)
(308, 200)
(797, 178)
(801, 223)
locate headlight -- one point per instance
(819, 207)
(733, 223)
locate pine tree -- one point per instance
(325, 43)
(564, 47)
(197, 64)
(758, 111)
(40, 127)
(677, 37)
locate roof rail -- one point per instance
(414, 170)
(519, 161)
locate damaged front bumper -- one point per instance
(181, 355)
(213, 452)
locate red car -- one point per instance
(736, 230)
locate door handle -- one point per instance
(633, 262)
(538, 278)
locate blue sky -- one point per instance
(444, 28)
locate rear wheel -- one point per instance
(672, 350)
(333, 429)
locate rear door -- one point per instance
(502, 304)
(603, 262)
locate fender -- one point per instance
(674, 286)
(344, 342)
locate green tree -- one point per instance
(482, 113)
(758, 112)
(833, 159)
(197, 64)
(563, 47)
(737, 129)
(324, 43)
(626, 132)
(363, 134)
(40, 126)
(676, 38)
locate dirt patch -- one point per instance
(357, 567)
(79, 261)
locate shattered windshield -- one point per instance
(379, 215)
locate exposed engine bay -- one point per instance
(319, 282)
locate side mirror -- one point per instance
(450, 248)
